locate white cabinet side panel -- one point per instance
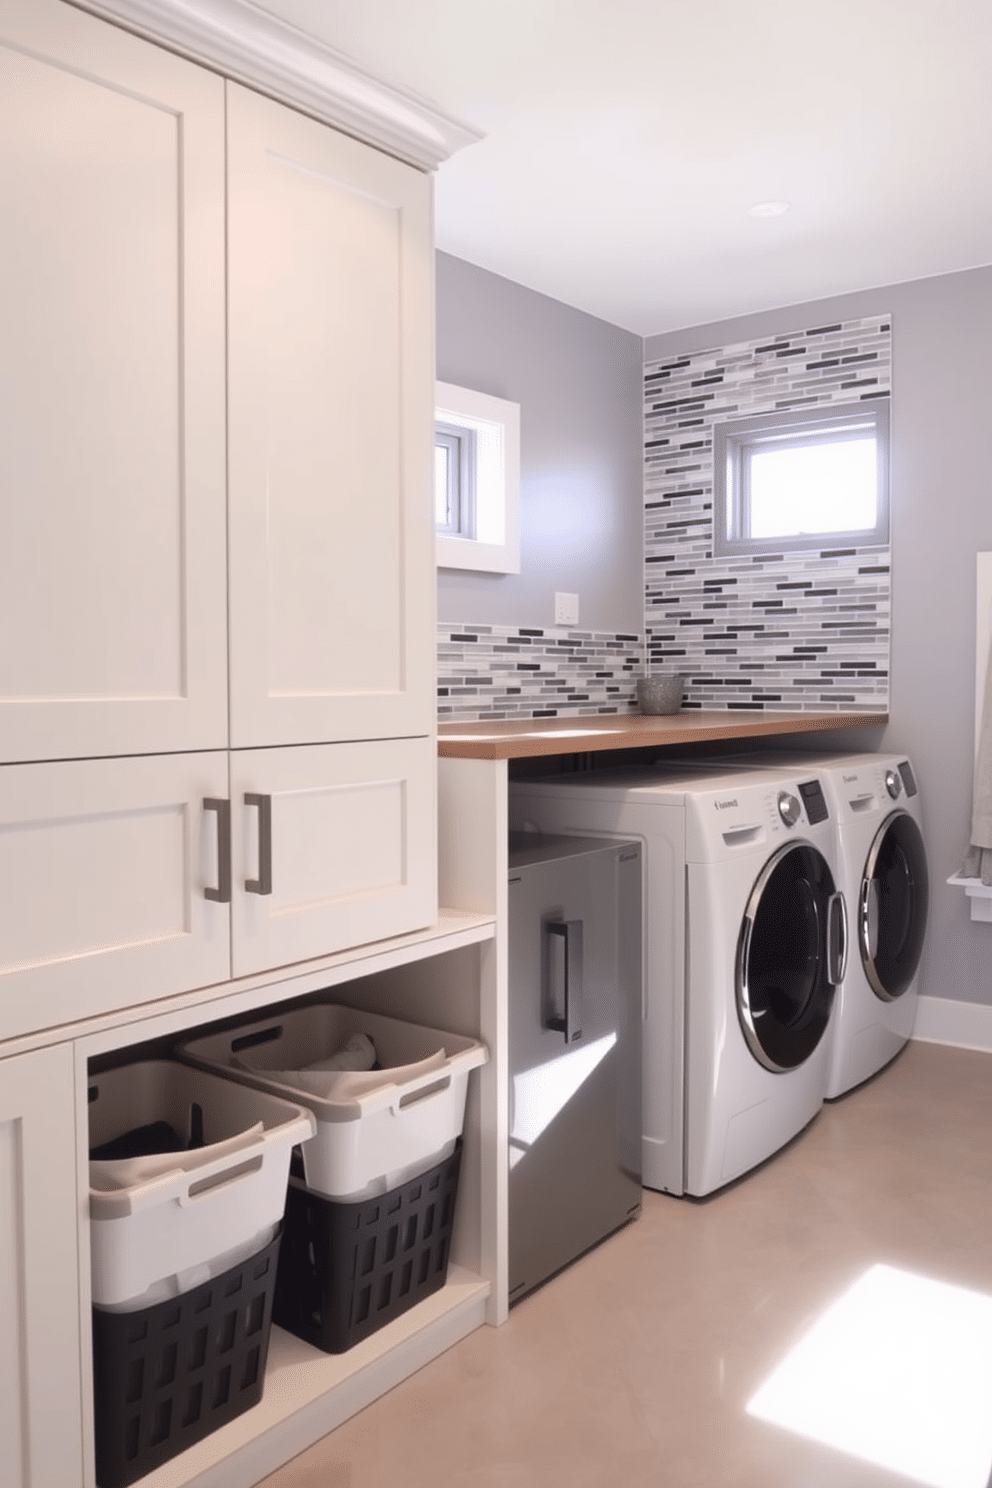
(112, 593)
(473, 866)
(330, 432)
(40, 1402)
(472, 829)
(13, 1323)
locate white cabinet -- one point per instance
(112, 481)
(126, 880)
(218, 783)
(41, 1421)
(113, 409)
(216, 416)
(330, 434)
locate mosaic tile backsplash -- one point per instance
(800, 631)
(803, 631)
(494, 671)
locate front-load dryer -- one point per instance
(744, 942)
(882, 864)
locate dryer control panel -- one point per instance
(908, 778)
(814, 801)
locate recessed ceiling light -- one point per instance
(768, 209)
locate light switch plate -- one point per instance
(566, 609)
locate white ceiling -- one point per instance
(624, 141)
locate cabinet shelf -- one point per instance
(452, 930)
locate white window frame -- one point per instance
(490, 539)
(735, 440)
(459, 444)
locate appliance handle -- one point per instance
(869, 916)
(743, 954)
(222, 893)
(569, 933)
(837, 939)
(263, 883)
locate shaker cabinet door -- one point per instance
(112, 480)
(330, 434)
(333, 846)
(106, 867)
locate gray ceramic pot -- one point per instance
(660, 694)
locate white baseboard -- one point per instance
(966, 1025)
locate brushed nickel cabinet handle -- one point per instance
(222, 893)
(263, 883)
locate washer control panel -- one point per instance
(789, 808)
(893, 784)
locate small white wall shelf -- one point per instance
(979, 895)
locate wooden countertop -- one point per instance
(518, 738)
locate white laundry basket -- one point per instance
(163, 1224)
(408, 1116)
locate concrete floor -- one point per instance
(635, 1366)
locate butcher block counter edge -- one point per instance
(518, 738)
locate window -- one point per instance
(476, 480)
(798, 478)
(454, 480)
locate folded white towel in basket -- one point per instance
(356, 1053)
(342, 1085)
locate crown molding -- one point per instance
(236, 38)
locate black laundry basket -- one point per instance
(168, 1375)
(347, 1269)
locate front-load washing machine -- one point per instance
(744, 942)
(882, 865)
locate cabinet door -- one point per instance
(104, 866)
(330, 434)
(112, 480)
(351, 854)
(40, 1397)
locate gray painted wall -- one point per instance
(941, 494)
(578, 382)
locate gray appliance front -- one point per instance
(574, 1034)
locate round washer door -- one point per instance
(790, 946)
(895, 895)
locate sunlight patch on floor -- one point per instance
(898, 1372)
